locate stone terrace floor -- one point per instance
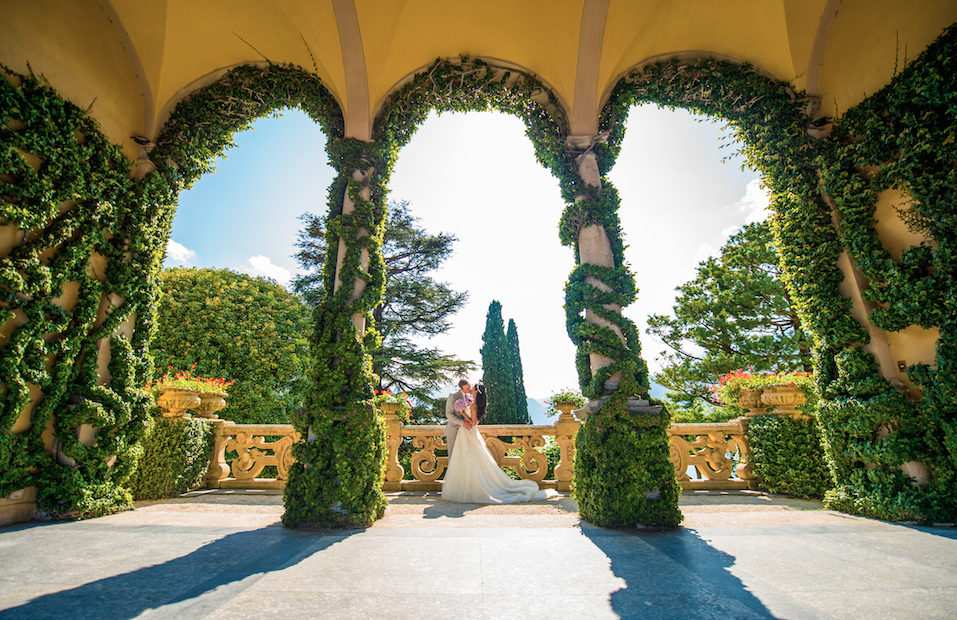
(224, 555)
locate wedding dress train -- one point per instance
(473, 476)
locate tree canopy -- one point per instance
(238, 327)
(497, 369)
(734, 314)
(414, 303)
(518, 375)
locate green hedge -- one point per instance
(787, 455)
(175, 457)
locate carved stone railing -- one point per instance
(718, 452)
(257, 446)
(426, 467)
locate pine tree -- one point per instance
(414, 304)
(497, 369)
(518, 376)
(734, 314)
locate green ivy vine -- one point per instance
(901, 138)
(90, 230)
(85, 232)
(904, 137)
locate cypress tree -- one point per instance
(518, 376)
(497, 369)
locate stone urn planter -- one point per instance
(209, 404)
(390, 408)
(784, 398)
(175, 403)
(753, 403)
(565, 408)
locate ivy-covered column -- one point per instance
(894, 456)
(337, 478)
(623, 475)
(80, 249)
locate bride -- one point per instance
(473, 476)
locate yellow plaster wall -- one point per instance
(866, 38)
(891, 229)
(202, 37)
(540, 35)
(914, 344)
(803, 18)
(74, 46)
(755, 31)
(145, 23)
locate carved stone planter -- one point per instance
(390, 408)
(753, 403)
(784, 398)
(175, 403)
(210, 403)
(565, 407)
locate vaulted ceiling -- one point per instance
(138, 58)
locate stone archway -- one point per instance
(885, 440)
(80, 279)
(610, 367)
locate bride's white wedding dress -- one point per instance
(473, 476)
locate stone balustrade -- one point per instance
(718, 452)
(257, 446)
(426, 467)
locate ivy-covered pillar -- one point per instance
(80, 246)
(623, 474)
(337, 478)
(893, 451)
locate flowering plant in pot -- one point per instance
(182, 391)
(397, 404)
(564, 401)
(745, 387)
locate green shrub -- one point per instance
(216, 323)
(175, 457)
(787, 455)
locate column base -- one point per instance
(18, 507)
(635, 405)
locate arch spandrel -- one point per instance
(540, 36)
(804, 19)
(870, 40)
(102, 80)
(202, 38)
(750, 32)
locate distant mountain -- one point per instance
(536, 411)
(657, 391)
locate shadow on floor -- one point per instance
(695, 583)
(206, 577)
(946, 531)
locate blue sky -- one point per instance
(474, 175)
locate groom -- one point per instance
(456, 419)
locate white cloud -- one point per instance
(178, 252)
(704, 251)
(263, 266)
(756, 202)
